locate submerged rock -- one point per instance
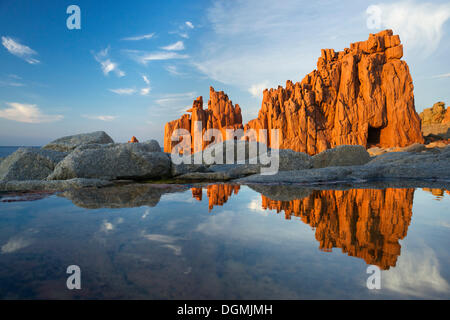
(70, 143)
(114, 161)
(29, 164)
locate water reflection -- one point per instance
(225, 241)
(364, 223)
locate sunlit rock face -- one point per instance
(364, 223)
(361, 95)
(221, 114)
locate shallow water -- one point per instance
(225, 242)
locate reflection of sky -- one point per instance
(178, 249)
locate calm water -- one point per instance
(225, 241)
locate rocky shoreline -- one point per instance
(94, 161)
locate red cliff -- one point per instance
(221, 114)
(361, 95)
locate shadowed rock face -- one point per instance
(362, 95)
(364, 223)
(221, 114)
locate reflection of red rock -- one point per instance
(362, 95)
(218, 194)
(364, 223)
(197, 193)
(221, 114)
(133, 140)
(435, 192)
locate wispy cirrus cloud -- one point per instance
(28, 113)
(145, 91)
(174, 100)
(100, 117)
(141, 37)
(123, 91)
(107, 64)
(256, 90)
(173, 70)
(145, 78)
(177, 46)
(143, 57)
(189, 24)
(441, 76)
(22, 51)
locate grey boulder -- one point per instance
(113, 161)
(344, 155)
(29, 164)
(70, 143)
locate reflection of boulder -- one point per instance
(125, 196)
(439, 193)
(364, 223)
(282, 192)
(218, 194)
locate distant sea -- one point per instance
(6, 151)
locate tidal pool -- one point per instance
(225, 242)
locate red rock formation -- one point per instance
(437, 114)
(221, 114)
(364, 223)
(362, 95)
(133, 140)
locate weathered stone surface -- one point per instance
(125, 196)
(232, 151)
(437, 114)
(113, 161)
(376, 151)
(359, 96)
(70, 143)
(341, 156)
(54, 185)
(401, 166)
(29, 164)
(221, 114)
(179, 169)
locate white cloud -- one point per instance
(416, 274)
(20, 50)
(173, 70)
(256, 90)
(100, 117)
(145, 57)
(28, 113)
(174, 100)
(418, 24)
(145, 91)
(179, 45)
(142, 37)
(441, 76)
(11, 83)
(189, 24)
(124, 91)
(107, 64)
(15, 244)
(145, 78)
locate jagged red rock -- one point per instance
(361, 95)
(221, 114)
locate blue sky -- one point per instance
(134, 65)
